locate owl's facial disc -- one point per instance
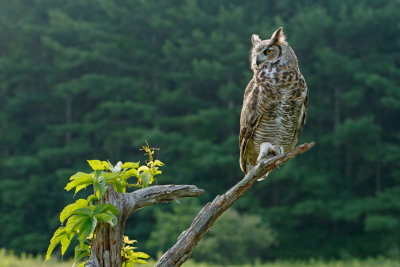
(267, 55)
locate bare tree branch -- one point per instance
(106, 248)
(158, 194)
(188, 240)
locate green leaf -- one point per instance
(80, 187)
(59, 234)
(143, 168)
(80, 255)
(104, 208)
(68, 210)
(100, 188)
(79, 175)
(84, 212)
(110, 176)
(119, 187)
(128, 174)
(65, 241)
(98, 165)
(130, 165)
(108, 218)
(83, 181)
(92, 198)
(80, 252)
(146, 177)
(94, 224)
(86, 229)
(97, 174)
(141, 255)
(100, 208)
(74, 222)
(158, 163)
(106, 165)
(127, 241)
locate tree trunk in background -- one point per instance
(378, 175)
(68, 118)
(336, 107)
(348, 161)
(336, 121)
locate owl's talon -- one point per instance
(278, 150)
(268, 150)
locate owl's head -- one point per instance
(273, 51)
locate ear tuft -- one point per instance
(255, 39)
(278, 37)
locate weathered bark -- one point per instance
(106, 247)
(183, 248)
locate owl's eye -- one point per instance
(268, 51)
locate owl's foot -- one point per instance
(268, 150)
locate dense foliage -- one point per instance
(82, 217)
(94, 79)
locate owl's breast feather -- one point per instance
(280, 105)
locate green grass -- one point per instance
(315, 263)
(8, 259)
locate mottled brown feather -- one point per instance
(248, 122)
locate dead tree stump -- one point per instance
(106, 247)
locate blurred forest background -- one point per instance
(94, 79)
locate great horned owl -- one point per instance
(275, 101)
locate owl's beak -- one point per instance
(258, 60)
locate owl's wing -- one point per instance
(303, 114)
(248, 121)
(305, 106)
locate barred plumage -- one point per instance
(275, 101)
